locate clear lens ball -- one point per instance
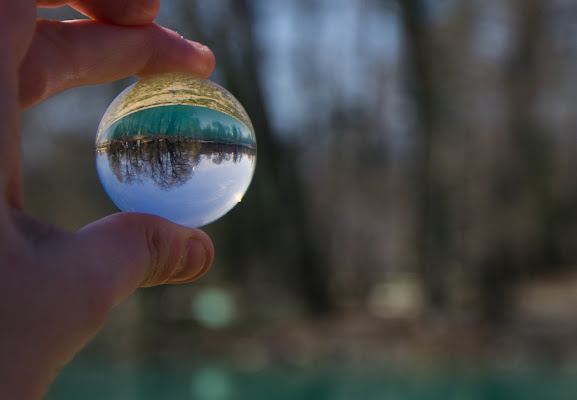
(178, 147)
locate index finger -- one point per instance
(85, 52)
(120, 12)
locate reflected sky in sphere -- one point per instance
(177, 147)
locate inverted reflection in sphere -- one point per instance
(176, 146)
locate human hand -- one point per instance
(57, 287)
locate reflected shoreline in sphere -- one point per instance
(168, 161)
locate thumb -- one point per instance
(133, 249)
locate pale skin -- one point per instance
(58, 287)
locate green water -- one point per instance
(200, 123)
(90, 381)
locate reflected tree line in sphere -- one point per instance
(177, 120)
(170, 161)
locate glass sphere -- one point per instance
(176, 146)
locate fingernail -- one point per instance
(191, 263)
(199, 46)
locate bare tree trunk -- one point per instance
(277, 221)
(433, 230)
(522, 177)
(310, 268)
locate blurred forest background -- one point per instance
(415, 198)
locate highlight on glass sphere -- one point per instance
(176, 146)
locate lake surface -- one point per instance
(91, 381)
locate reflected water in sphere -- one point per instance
(176, 146)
